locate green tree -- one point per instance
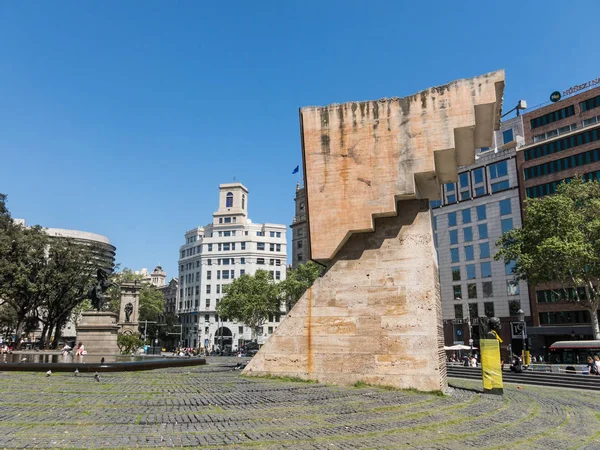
(22, 267)
(8, 319)
(129, 343)
(560, 242)
(152, 303)
(298, 281)
(70, 273)
(250, 300)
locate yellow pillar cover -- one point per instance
(491, 368)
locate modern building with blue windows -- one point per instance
(562, 140)
(467, 222)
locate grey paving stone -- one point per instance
(214, 407)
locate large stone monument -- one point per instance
(130, 306)
(370, 170)
(98, 329)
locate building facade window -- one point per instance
(506, 224)
(229, 200)
(483, 231)
(498, 170)
(453, 237)
(486, 269)
(500, 186)
(458, 311)
(466, 215)
(505, 207)
(468, 234)
(471, 275)
(512, 287)
(457, 288)
(473, 310)
(563, 144)
(553, 116)
(469, 254)
(472, 290)
(454, 257)
(488, 308)
(456, 273)
(452, 219)
(484, 250)
(488, 289)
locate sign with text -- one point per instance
(518, 330)
(580, 87)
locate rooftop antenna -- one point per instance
(234, 179)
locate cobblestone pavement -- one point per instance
(214, 407)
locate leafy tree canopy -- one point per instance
(560, 242)
(298, 281)
(250, 299)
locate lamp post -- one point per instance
(521, 318)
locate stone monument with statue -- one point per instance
(130, 306)
(370, 170)
(98, 328)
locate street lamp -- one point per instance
(522, 104)
(521, 318)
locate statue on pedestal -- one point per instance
(96, 293)
(128, 311)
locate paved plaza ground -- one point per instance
(214, 407)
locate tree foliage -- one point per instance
(250, 299)
(298, 281)
(152, 303)
(41, 278)
(560, 242)
(129, 343)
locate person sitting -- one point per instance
(80, 350)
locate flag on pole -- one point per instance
(296, 170)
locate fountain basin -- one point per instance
(41, 362)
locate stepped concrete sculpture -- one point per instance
(370, 170)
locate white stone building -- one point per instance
(216, 254)
(157, 278)
(467, 222)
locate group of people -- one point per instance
(182, 351)
(466, 360)
(593, 365)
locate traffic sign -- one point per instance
(518, 330)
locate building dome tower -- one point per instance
(158, 277)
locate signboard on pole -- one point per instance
(518, 330)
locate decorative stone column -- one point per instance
(370, 170)
(130, 307)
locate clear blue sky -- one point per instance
(122, 118)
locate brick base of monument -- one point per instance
(98, 331)
(375, 316)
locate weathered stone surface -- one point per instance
(360, 157)
(98, 332)
(370, 328)
(370, 170)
